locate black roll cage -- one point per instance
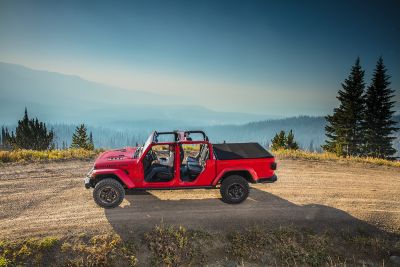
(179, 135)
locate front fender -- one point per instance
(114, 172)
(252, 172)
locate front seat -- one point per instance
(164, 175)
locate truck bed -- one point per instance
(232, 151)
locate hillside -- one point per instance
(56, 97)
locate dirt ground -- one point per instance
(38, 199)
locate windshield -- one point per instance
(148, 141)
(141, 149)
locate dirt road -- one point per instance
(50, 199)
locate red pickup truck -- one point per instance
(174, 160)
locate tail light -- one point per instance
(273, 166)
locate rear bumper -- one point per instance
(271, 179)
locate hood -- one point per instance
(115, 156)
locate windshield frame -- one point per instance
(148, 142)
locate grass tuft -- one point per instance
(4, 262)
(175, 246)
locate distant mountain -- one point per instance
(58, 97)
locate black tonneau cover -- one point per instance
(240, 151)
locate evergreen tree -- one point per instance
(379, 124)
(311, 146)
(290, 143)
(91, 143)
(3, 137)
(80, 138)
(345, 127)
(31, 134)
(7, 139)
(279, 141)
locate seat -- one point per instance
(164, 175)
(194, 169)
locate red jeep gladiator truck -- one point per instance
(166, 161)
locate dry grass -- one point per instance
(291, 246)
(284, 246)
(32, 251)
(177, 246)
(301, 154)
(100, 250)
(34, 155)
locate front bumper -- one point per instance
(88, 184)
(271, 179)
(88, 179)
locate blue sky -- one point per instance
(285, 58)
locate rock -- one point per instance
(264, 259)
(230, 264)
(395, 259)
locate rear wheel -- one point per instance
(108, 193)
(234, 189)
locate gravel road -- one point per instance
(49, 198)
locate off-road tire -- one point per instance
(105, 187)
(234, 189)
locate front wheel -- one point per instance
(108, 193)
(234, 189)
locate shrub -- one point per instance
(34, 155)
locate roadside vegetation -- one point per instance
(167, 245)
(25, 155)
(305, 155)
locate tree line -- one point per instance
(33, 134)
(363, 124)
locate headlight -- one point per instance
(89, 174)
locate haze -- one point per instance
(280, 59)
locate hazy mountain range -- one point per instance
(119, 117)
(56, 97)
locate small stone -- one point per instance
(395, 259)
(264, 259)
(230, 264)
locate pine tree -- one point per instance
(3, 137)
(6, 139)
(279, 141)
(31, 134)
(80, 138)
(91, 143)
(290, 142)
(345, 127)
(311, 146)
(379, 124)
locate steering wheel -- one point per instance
(151, 156)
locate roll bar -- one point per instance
(205, 137)
(180, 135)
(156, 134)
